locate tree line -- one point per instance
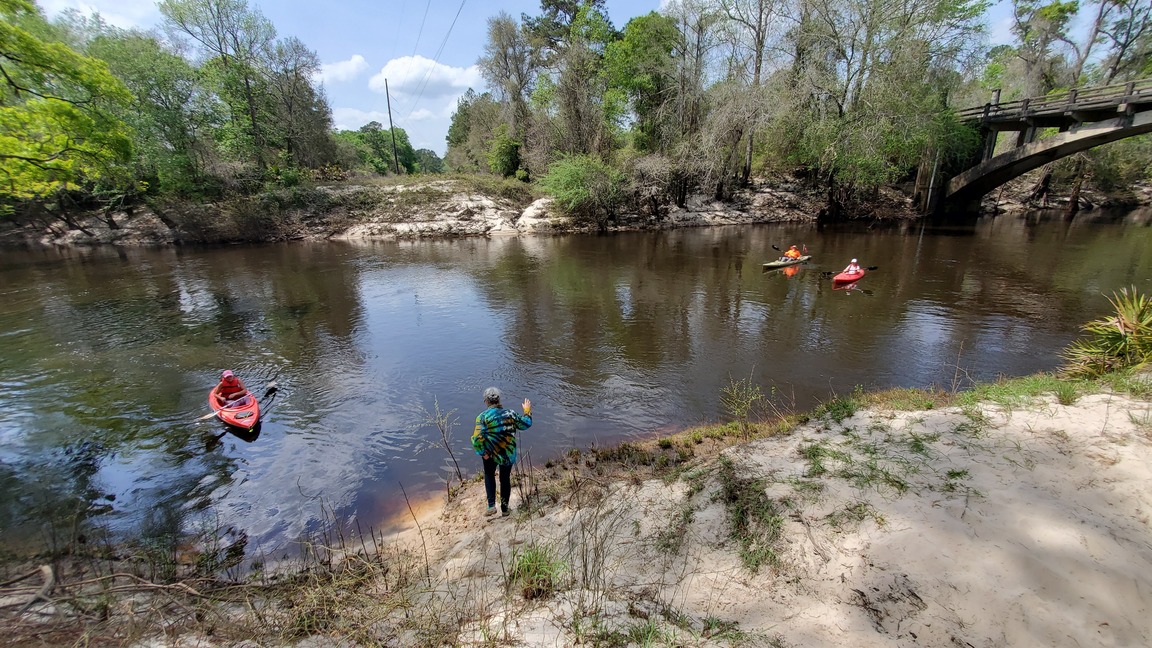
(849, 95)
(846, 96)
(217, 103)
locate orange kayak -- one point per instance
(244, 414)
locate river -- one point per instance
(107, 354)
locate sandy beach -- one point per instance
(982, 526)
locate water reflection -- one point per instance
(109, 356)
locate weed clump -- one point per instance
(537, 571)
(753, 516)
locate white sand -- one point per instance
(1021, 527)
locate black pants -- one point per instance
(490, 483)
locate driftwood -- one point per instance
(41, 594)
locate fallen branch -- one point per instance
(42, 593)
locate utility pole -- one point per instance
(388, 97)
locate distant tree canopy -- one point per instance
(854, 93)
(373, 146)
(219, 103)
(59, 113)
(847, 94)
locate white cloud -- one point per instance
(125, 14)
(342, 70)
(416, 76)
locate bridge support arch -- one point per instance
(966, 189)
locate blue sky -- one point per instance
(427, 50)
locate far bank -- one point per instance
(473, 205)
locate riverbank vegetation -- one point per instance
(603, 538)
(700, 98)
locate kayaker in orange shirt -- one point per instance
(791, 253)
(231, 391)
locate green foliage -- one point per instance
(1118, 342)
(641, 65)
(428, 162)
(838, 408)
(504, 153)
(168, 112)
(537, 570)
(740, 398)
(753, 517)
(1121, 164)
(585, 187)
(470, 133)
(57, 121)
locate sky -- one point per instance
(425, 49)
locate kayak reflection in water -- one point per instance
(850, 288)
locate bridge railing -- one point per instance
(1061, 102)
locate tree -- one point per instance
(57, 123)
(575, 100)
(504, 154)
(171, 113)
(470, 132)
(1128, 29)
(235, 38)
(377, 144)
(643, 65)
(428, 162)
(752, 19)
(302, 116)
(1039, 29)
(872, 82)
(509, 64)
(585, 187)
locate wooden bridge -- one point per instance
(1085, 117)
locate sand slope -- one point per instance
(985, 527)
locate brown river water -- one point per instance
(106, 355)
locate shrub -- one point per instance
(740, 399)
(585, 187)
(504, 153)
(1118, 342)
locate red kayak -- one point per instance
(244, 414)
(845, 277)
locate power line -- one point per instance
(415, 47)
(435, 59)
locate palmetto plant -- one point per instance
(1120, 341)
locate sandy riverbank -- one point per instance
(981, 526)
(923, 519)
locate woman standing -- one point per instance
(495, 441)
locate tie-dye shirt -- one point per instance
(495, 434)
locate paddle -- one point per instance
(268, 391)
(829, 274)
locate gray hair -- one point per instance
(492, 396)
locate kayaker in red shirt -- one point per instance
(231, 391)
